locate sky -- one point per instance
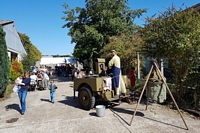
(41, 20)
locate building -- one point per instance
(197, 7)
(14, 44)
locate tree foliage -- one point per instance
(4, 63)
(126, 48)
(16, 68)
(33, 54)
(174, 35)
(91, 27)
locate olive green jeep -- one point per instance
(93, 87)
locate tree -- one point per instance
(33, 54)
(92, 26)
(174, 35)
(126, 48)
(4, 63)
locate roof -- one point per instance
(197, 7)
(3, 22)
(13, 41)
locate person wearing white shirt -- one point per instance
(117, 79)
(33, 82)
(33, 77)
(45, 80)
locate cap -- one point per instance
(113, 51)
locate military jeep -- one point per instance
(92, 88)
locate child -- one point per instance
(52, 88)
(18, 83)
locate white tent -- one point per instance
(57, 60)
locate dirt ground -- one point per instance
(65, 115)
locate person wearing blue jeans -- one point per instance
(22, 98)
(22, 93)
(52, 88)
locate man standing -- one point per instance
(117, 80)
(45, 80)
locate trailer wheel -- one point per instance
(86, 100)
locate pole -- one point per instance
(171, 95)
(138, 60)
(141, 94)
(162, 68)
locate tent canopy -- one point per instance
(57, 60)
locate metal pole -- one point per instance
(138, 60)
(161, 66)
(141, 94)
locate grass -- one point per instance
(7, 92)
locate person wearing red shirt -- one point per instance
(132, 76)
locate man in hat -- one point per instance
(117, 80)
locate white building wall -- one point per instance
(9, 55)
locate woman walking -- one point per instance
(22, 93)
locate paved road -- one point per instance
(65, 116)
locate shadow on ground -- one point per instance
(69, 100)
(45, 100)
(13, 106)
(117, 112)
(163, 122)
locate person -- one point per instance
(57, 69)
(73, 72)
(77, 74)
(33, 81)
(90, 72)
(39, 80)
(132, 76)
(45, 80)
(50, 71)
(103, 71)
(52, 88)
(22, 93)
(33, 69)
(18, 83)
(117, 80)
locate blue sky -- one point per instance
(41, 19)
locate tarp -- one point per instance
(57, 60)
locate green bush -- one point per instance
(139, 84)
(15, 69)
(13, 74)
(21, 67)
(4, 63)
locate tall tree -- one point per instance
(91, 27)
(126, 47)
(174, 35)
(33, 54)
(4, 63)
